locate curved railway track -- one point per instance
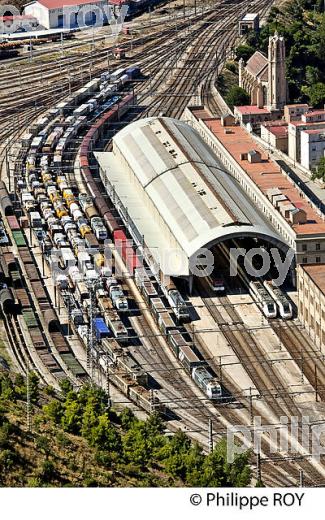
(186, 401)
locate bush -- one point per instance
(237, 96)
(47, 472)
(244, 52)
(8, 458)
(231, 66)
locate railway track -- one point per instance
(183, 398)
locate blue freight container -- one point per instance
(133, 72)
(100, 328)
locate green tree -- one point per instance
(42, 444)
(316, 94)
(5, 434)
(135, 444)
(34, 387)
(53, 411)
(47, 472)
(72, 414)
(218, 472)
(319, 172)
(173, 455)
(7, 389)
(312, 74)
(127, 418)
(8, 458)
(104, 435)
(89, 420)
(237, 96)
(244, 52)
(65, 386)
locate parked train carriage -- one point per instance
(25, 255)
(176, 340)
(166, 322)
(112, 348)
(22, 298)
(120, 379)
(145, 399)
(157, 307)
(124, 247)
(7, 301)
(5, 201)
(32, 273)
(131, 367)
(188, 358)
(148, 291)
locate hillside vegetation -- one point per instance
(76, 441)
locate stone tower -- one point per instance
(277, 84)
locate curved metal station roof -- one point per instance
(176, 191)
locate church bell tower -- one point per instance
(277, 83)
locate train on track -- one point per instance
(269, 298)
(282, 301)
(183, 350)
(70, 225)
(70, 219)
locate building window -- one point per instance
(305, 260)
(317, 259)
(304, 247)
(317, 247)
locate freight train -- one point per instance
(68, 218)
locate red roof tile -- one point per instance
(252, 109)
(279, 131)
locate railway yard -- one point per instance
(213, 357)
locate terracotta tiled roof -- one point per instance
(315, 113)
(251, 109)
(279, 130)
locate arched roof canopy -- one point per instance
(176, 194)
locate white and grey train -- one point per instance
(282, 302)
(263, 293)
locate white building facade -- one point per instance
(56, 14)
(312, 147)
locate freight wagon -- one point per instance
(100, 328)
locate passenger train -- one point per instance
(216, 284)
(281, 300)
(263, 299)
(256, 289)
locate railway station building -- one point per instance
(175, 196)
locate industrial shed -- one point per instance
(174, 195)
